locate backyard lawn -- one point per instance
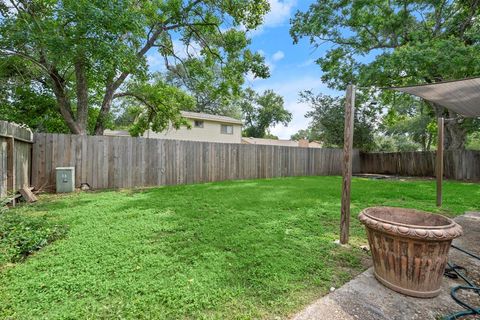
(228, 250)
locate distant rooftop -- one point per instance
(284, 143)
(270, 142)
(209, 117)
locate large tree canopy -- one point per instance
(393, 43)
(260, 111)
(82, 53)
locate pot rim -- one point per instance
(442, 233)
(415, 226)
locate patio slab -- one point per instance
(365, 298)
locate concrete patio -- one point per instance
(365, 298)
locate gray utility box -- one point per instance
(65, 179)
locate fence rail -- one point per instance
(458, 165)
(15, 157)
(124, 162)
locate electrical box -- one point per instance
(65, 179)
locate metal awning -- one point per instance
(461, 96)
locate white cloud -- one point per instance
(298, 122)
(277, 56)
(279, 14)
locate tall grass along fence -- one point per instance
(124, 162)
(15, 157)
(458, 165)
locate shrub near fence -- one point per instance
(124, 162)
(458, 165)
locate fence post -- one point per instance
(11, 164)
(347, 164)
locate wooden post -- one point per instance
(347, 164)
(439, 164)
(11, 164)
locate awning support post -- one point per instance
(439, 160)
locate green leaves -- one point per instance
(155, 106)
(262, 111)
(327, 121)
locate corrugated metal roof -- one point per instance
(210, 117)
(461, 96)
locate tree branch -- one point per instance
(133, 95)
(26, 56)
(139, 97)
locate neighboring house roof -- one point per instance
(117, 133)
(270, 142)
(284, 143)
(315, 144)
(210, 117)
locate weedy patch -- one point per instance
(21, 235)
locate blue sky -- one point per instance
(292, 67)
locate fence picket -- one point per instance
(458, 165)
(125, 162)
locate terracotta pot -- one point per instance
(409, 248)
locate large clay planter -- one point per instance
(409, 248)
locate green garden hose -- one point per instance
(454, 269)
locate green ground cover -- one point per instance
(229, 250)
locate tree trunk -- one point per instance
(104, 110)
(455, 134)
(423, 142)
(429, 141)
(107, 103)
(82, 95)
(63, 102)
(112, 86)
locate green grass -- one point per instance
(229, 250)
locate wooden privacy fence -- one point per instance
(458, 165)
(125, 162)
(15, 157)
